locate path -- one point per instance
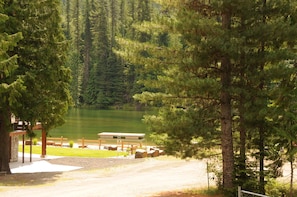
(134, 180)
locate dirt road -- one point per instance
(145, 178)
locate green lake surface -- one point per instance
(88, 123)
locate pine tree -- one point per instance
(75, 56)
(260, 67)
(221, 56)
(11, 87)
(42, 53)
(87, 50)
(97, 88)
(138, 12)
(105, 82)
(68, 16)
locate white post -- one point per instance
(239, 191)
(207, 171)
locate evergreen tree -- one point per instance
(105, 84)
(114, 21)
(222, 55)
(97, 94)
(68, 16)
(41, 62)
(82, 56)
(138, 12)
(123, 18)
(87, 49)
(11, 87)
(75, 56)
(260, 68)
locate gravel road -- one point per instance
(109, 178)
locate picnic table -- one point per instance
(122, 137)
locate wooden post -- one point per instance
(10, 147)
(30, 149)
(83, 142)
(23, 156)
(43, 146)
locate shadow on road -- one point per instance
(29, 179)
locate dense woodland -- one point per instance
(101, 78)
(222, 74)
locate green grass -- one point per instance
(73, 152)
(212, 191)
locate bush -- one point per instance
(159, 139)
(276, 189)
(71, 144)
(35, 141)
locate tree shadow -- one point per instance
(29, 179)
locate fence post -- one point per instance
(207, 171)
(83, 142)
(239, 191)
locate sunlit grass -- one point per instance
(211, 191)
(73, 152)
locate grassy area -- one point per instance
(201, 192)
(212, 191)
(73, 152)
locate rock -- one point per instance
(112, 148)
(140, 153)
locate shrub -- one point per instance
(275, 189)
(71, 144)
(35, 141)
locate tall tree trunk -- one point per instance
(262, 128)
(226, 118)
(226, 127)
(4, 141)
(291, 159)
(242, 120)
(262, 138)
(262, 155)
(242, 135)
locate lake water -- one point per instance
(88, 123)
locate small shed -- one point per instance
(122, 137)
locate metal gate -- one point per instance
(244, 193)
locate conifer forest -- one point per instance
(100, 77)
(221, 75)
